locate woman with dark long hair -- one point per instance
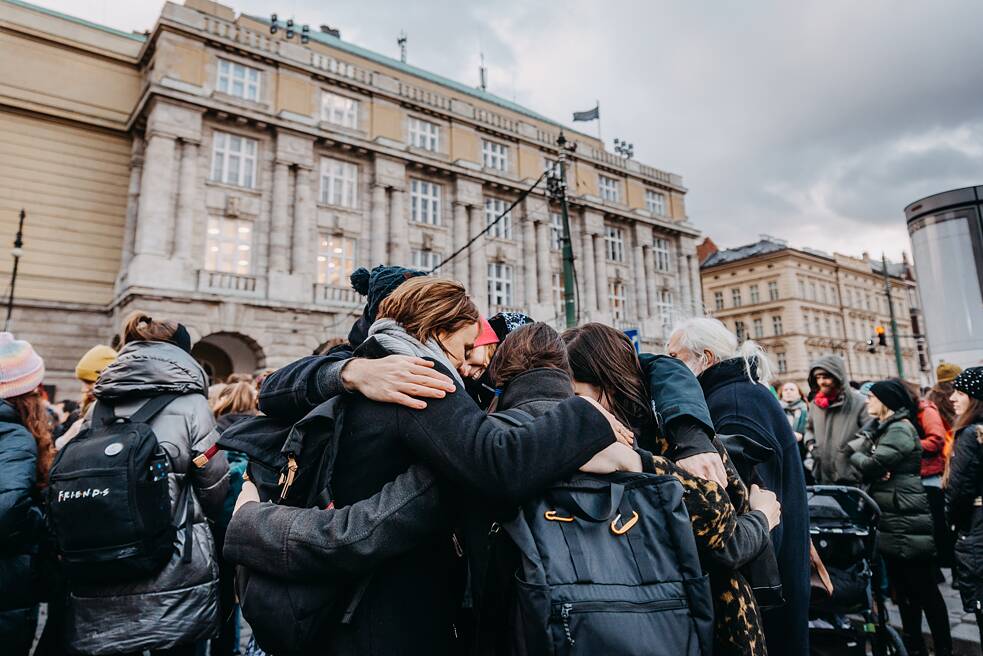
(729, 532)
(26, 453)
(964, 490)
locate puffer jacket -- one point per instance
(179, 605)
(933, 442)
(829, 429)
(21, 529)
(906, 521)
(964, 487)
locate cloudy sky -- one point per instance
(816, 122)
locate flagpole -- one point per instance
(599, 137)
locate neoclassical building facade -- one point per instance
(217, 172)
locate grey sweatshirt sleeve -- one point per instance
(297, 543)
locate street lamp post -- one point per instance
(16, 252)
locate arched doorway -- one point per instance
(221, 354)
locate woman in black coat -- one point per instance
(964, 490)
(412, 600)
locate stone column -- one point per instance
(545, 278)
(304, 232)
(478, 259)
(696, 289)
(529, 262)
(461, 237)
(651, 286)
(280, 223)
(187, 200)
(380, 229)
(155, 216)
(682, 270)
(641, 283)
(589, 274)
(601, 273)
(399, 248)
(133, 199)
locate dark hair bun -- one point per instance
(360, 280)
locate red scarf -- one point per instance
(821, 400)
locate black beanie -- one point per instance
(970, 382)
(892, 394)
(504, 323)
(376, 285)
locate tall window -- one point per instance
(556, 231)
(663, 307)
(755, 296)
(718, 300)
(735, 297)
(773, 290)
(829, 328)
(740, 330)
(494, 207)
(776, 325)
(234, 160)
(610, 188)
(782, 363)
(499, 284)
(335, 260)
(494, 155)
(805, 322)
(339, 182)
(340, 110)
(616, 296)
(614, 243)
(424, 202)
(802, 288)
(229, 245)
(426, 260)
(812, 292)
(655, 202)
(559, 289)
(424, 134)
(238, 80)
(759, 328)
(660, 248)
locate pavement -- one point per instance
(965, 633)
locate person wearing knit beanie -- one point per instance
(21, 368)
(375, 285)
(946, 372)
(970, 382)
(93, 362)
(892, 394)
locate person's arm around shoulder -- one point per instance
(208, 468)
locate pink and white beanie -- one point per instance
(21, 368)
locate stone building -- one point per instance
(803, 303)
(215, 171)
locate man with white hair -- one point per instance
(735, 378)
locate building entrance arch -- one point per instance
(223, 353)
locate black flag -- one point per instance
(589, 115)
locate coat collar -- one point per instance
(546, 384)
(725, 373)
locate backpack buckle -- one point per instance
(627, 526)
(287, 480)
(553, 517)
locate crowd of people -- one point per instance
(447, 423)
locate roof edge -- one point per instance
(75, 19)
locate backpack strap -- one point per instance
(151, 408)
(103, 413)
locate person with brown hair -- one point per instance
(964, 490)
(411, 602)
(177, 607)
(26, 453)
(729, 532)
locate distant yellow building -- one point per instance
(216, 172)
(802, 303)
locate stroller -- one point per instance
(853, 621)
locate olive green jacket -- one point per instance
(889, 460)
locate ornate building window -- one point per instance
(494, 155)
(424, 202)
(238, 80)
(782, 363)
(759, 328)
(499, 285)
(776, 324)
(229, 245)
(755, 295)
(660, 248)
(335, 260)
(495, 207)
(234, 159)
(735, 297)
(610, 188)
(339, 183)
(340, 110)
(655, 202)
(773, 290)
(614, 243)
(424, 134)
(616, 297)
(718, 300)
(426, 260)
(556, 231)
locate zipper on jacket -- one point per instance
(565, 611)
(457, 546)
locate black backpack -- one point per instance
(609, 566)
(109, 504)
(292, 465)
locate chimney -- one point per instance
(333, 31)
(705, 250)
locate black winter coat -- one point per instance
(740, 407)
(409, 607)
(21, 531)
(962, 492)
